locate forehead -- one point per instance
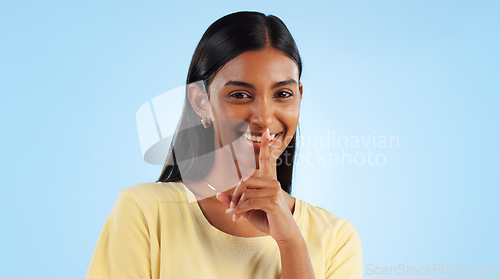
(260, 67)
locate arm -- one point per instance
(295, 261)
(123, 248)
(262, 201)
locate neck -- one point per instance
(224, 175)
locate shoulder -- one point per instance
(319, 223)
(149, 190)
(336, 237)
(322, 218)
(148, 195)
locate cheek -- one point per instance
(228, 119)
(290, 117)
(226, 110)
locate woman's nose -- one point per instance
(263, 113)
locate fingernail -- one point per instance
(234, 217)
(231, 206)
(229, 210)
(268, 134)
(218, 196)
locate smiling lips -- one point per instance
(256, 140)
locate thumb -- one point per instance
(224, 198)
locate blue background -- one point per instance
(73, 75)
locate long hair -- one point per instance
(225, 39)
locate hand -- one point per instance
(261, 200)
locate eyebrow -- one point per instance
(246, 84)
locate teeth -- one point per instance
(257, 138)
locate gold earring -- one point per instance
(205, 123)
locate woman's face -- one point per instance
(260, 90)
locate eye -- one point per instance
(239, 95)
(284, 94)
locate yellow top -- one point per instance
(157, 230)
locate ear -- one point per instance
(300, 89)
(198, 98)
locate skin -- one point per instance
(269, 101)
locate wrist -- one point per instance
(296, 242)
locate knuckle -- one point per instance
(277, 191)
(276, 184)
(275, 201)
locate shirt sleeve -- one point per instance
(123, 247)
(347, 259)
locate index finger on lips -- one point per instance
(264, 160)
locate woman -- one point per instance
(222, 206)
